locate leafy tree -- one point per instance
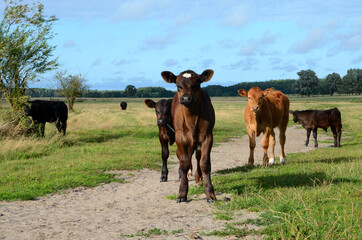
(71, 86)
(307, 84)
(24, 49)
(352, 81)
(130, 90)
(333, 83)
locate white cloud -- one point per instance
(312, 62)
(238, 18)
(314, 39)
(249, 49)
(158, 42)
(258, 45)
(287, 68)
(132, 10)
(245, 64)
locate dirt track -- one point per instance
(112, 210)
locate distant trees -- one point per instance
(130, 90)
(333, 83)
(71, 86)
(154, 92)
(24, 49)
(352, 81)
(307, 83)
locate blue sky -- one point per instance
(119, 42)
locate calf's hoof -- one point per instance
(211, 201)
(180, 200)
(282, 160)
(271, 161)
(163, 180)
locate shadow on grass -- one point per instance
(299, 180)
(98, 137)
(334, 160)
(245, 168)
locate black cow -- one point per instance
(123, 105)
(166, 133)
(314, 119)
(48, 111)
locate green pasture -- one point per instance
(316, 195)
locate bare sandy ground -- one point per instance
(113, 210)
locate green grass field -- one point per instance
(316, 195)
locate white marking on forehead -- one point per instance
(186, 75)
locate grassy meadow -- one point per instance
(316, 195)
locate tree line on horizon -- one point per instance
(308, 84)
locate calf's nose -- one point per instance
(161, 122)
(255, 108)
(186, 99)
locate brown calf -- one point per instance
(166, 133)
(314, 119)
(194, 119)
(265, 111)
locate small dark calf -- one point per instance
(48, 111)
(123, 105)
(314, 119)
(166, 133)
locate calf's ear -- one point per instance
(168, 77)
(243, 92)
(206, 75)
(150, 103)
(267, 91)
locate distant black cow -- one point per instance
(314, 119)
(166, 133)
(48, 111)
(123, 105)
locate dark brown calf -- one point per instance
(194, 119)
(166, 133)
(123, 105)
(314, 119)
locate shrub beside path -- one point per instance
(111, 211)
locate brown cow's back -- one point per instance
(278, 104)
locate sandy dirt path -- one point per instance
(110, 211)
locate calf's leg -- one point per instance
(198, 173)
(333, 128)
(315, 137)
(339, 133)
(205, 164)
(252, 147)
(265, 145)
(165, 153)
(272, 146)
(61, 126)
(282, 138)
(308, 135)
(42, 128)
(185, 153)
